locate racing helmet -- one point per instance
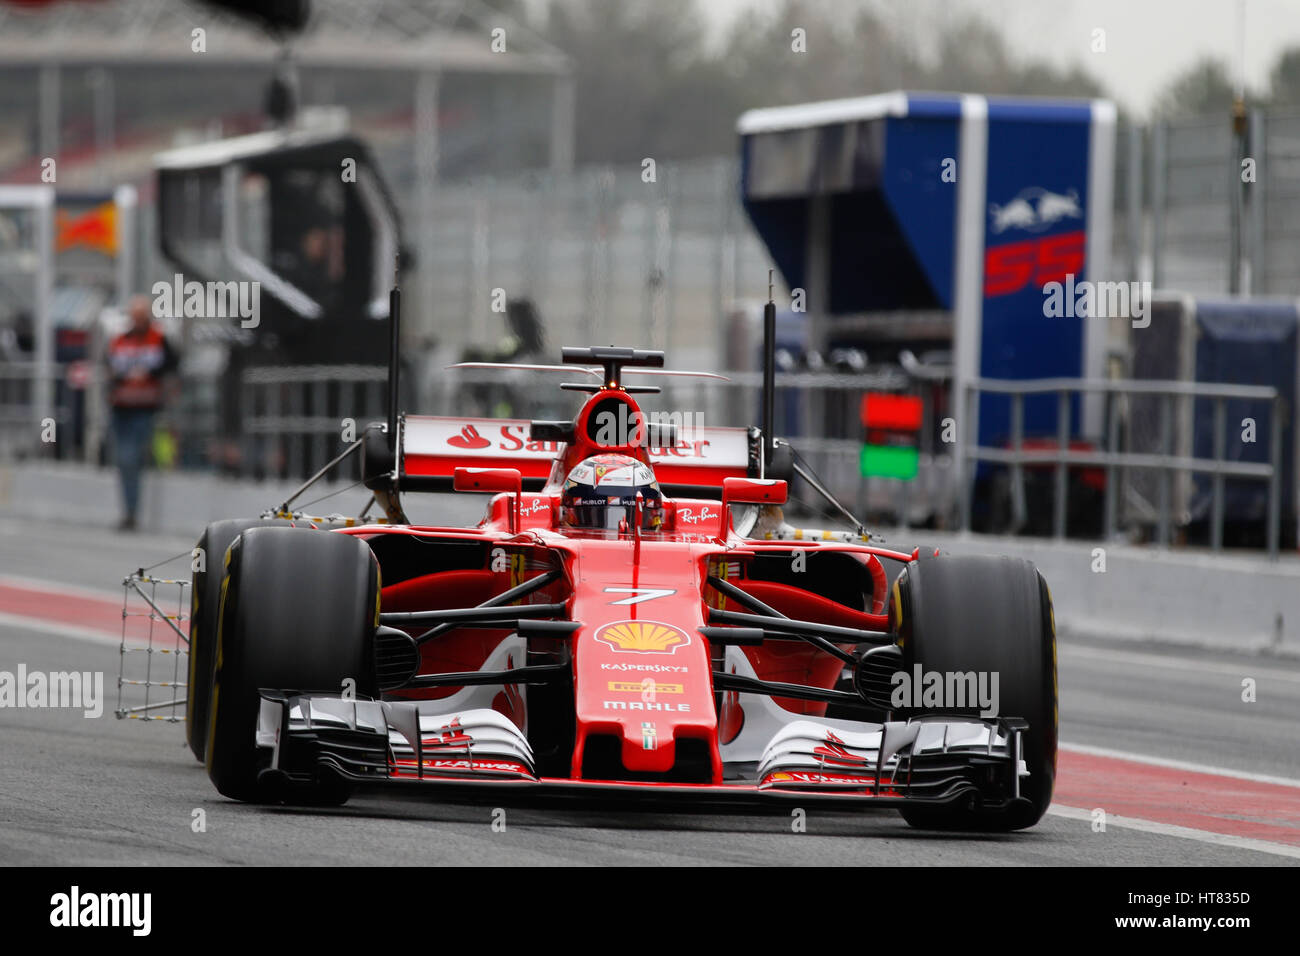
(600, 494)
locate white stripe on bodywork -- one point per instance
(639, 594)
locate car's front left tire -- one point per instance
(298, 612)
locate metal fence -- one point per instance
(604, 255)
(1183, 199)
(296, 419)
(23, 433)
(1117, 462)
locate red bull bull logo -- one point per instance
(1034, 209)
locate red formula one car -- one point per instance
(632, 613)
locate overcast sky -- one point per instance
(1148, 42)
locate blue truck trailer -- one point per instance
(928, 222)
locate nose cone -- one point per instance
(646, 683)
(643, 675)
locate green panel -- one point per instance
(889, 461)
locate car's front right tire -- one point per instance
(993, 615)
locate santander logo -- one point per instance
(468, 438)
(509, 438)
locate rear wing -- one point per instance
(433, 447)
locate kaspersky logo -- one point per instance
(643, 637)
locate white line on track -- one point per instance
(1186, 833)
(57, 589)
(1261, 665)
(1179, 765)
(59, 629)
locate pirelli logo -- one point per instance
(644, 687)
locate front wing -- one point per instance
(935, 760)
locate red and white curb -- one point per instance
(1215, 805)
(78, 613)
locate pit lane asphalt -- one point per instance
(79, 791)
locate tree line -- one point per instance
(656, 73)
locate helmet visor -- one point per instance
(611, 512)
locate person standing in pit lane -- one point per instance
(139, 362)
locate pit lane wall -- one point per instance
(1233, 601)
(1238, 602)
(182, 503)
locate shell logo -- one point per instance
(643, 637)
